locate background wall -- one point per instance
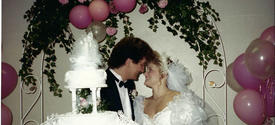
(241, 22)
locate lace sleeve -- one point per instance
(186, 110)
(138, 109)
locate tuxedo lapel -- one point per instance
(111, 94)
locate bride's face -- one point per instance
(152, 75)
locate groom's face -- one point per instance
(135, 69)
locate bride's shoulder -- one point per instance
(186, 98)
(187, 104)
(175, 93)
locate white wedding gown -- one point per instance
(184, 109)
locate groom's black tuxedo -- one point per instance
(110, 94)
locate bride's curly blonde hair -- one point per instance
(178, 75)
(161, 61)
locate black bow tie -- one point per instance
(121, 83)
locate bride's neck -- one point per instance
(159, 91)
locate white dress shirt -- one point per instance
(124, 97)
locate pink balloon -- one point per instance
(124, 5)
(99, 10)
(268, 93)
(249, 107)
(6, 115)
(80, 16)
(243, 76)
(269, 35)
(259, 58)
(9, 79)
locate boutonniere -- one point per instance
(133, 94)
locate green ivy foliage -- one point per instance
(190, 20)
(48, 28)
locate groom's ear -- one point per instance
(128, 61)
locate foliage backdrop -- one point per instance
(190, 20)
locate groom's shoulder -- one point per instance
(110, 75)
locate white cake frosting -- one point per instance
(103, 118)
(85, 61)
(86, 78)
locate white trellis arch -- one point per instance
(207, 87)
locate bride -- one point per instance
(172, 103)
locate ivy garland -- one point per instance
(49, 27)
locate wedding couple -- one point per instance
(171, 103)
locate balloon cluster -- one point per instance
(252, 75)
(8, 84)
(82, 16)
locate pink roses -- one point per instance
(162, 3)
(63, 1)
(143, 8)
(111, 31)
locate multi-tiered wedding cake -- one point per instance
(86, 73)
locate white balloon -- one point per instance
(98, 29)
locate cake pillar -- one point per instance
(98, 93)
(94, 99)
(74, 106)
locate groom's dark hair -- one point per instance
(132, 48)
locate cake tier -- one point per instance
(88, 78)
(105, 118)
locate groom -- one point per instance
(126, 63)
